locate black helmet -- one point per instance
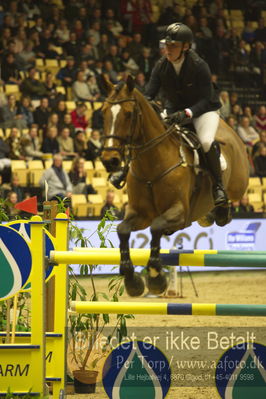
(178, 32)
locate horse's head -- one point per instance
(118, 111)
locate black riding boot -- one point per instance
(214, 166)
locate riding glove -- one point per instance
(179, 117)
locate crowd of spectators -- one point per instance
(88, 38)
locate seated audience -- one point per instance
(11, 115)
(260, 119)
(247, 133)
(94, 146)
(41, 114)
(50, 144)
(26, 110)
(11, 201)
(33, 87)
(245, 206)
(31, 146)
(260, 162)
(109, 205)
(59, 184)
(78, 178)
(80, 143)
(14, 143)
(79, 117)
(66, 144)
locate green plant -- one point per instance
(87, 329)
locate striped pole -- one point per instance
(141, 257)
(161, 308)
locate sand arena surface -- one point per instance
(217, 287)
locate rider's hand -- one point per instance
(179, 117)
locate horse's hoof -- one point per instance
(223, 215)
(134, 285)
(206, 220)
(156, 285)
(126, 269)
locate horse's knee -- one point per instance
(123, 228)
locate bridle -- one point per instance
(129, 147)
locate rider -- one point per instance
(190, 96)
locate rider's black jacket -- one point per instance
(192, 88)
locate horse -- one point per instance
(161, 181)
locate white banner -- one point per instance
(240, 234)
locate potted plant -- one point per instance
(87, 329)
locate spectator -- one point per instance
(51, 92)
(260, 32)
(41, 114)
(53, 121)
(30, 145)
(232, 122)
(80, 89)
(5, 163)
(33, 87)
(94, 146)
(248, 34)
(67, 74)
(80, 143)
(11, 115)
(136, 46)
(26, 110)
(14, 144)
(245, 206)
(78, 178)
(247, 111)
(129, 65)
(17, 188)
(79, 117)
(237, 112)
(50, 144)
(247, 133)
(11, 201)
(67, 122)
(260, 162)
(66, 144)
(59, 184)
(60, 109)
(71, 49)
(258, 144)
(109, 205)
(103, 46)
(62, 33)
(109, 71)
(9, 71)
(260, 119)
(145, 62)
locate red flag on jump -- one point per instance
(28, 205)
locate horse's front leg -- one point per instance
(133, 282)
(170, 221)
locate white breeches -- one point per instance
(206, 126)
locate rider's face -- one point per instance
(173, 50)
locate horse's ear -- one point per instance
(107, 84)
(130, 83)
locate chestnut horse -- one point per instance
(161, 184)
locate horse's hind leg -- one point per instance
(172, 220)
(133, 282)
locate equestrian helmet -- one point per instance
(178, 32)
